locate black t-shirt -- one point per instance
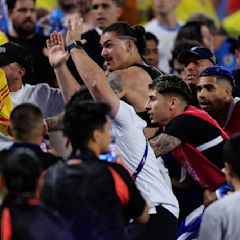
(86, 196)
(36, 47)
(195, 131)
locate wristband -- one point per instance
(75, 44)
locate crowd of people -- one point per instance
(149, 123)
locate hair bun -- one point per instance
(139, 30)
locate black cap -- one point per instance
(12, 52)
(196, 53)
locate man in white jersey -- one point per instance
(127, 127)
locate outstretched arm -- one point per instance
(92, 75)
(58, 58)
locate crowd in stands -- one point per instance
(110, 130)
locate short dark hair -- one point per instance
(171, 84)
(81, 119)
(21, 171)
(191, 31)
(205, 19)
(136, 33)
(26, 120)
(82, 95)
(11, 4)
(151, 36)
(231, 153)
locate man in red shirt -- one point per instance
(214, 93)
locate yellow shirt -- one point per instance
(231, 24)
(5, 105)
(3, 38)
(186, 8)
(47, 4)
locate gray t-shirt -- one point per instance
(221, 219)
(48, 99)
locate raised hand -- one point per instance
(57, 54)
(75, 28)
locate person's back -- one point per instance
(88, 191)
(101, 196)
(223, 215)
(22, 215)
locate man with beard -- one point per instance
(214, 93)
(22, 14)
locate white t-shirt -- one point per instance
(48, 99)
(166, 39)
(153, 180)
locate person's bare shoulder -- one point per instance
(135, 73)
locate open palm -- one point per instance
(57, 54)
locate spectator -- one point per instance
(214, 92)
(178, 68)
(56, 20)
(22, 15)
(223, 215)
(197, 31)
(152, 55)
(223, 45)
(28, 130)
(165, 26)
(191, 136)
(195, 61)
(100, 195)
(130, 139)
(21, 212)
(17, 65)
(105, 13)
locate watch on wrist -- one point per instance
(75, 44)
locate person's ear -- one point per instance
(96, 136)
(172, 103)
(9, 130)
(229, 170)
(22, 72)
(228, 91)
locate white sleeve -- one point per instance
(125, 119)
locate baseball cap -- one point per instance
(12, 52)
(219, 71)
(196, 52)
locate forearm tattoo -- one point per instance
(164, 143)
(55, 123)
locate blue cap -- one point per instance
(219, 71)
(197, 52)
